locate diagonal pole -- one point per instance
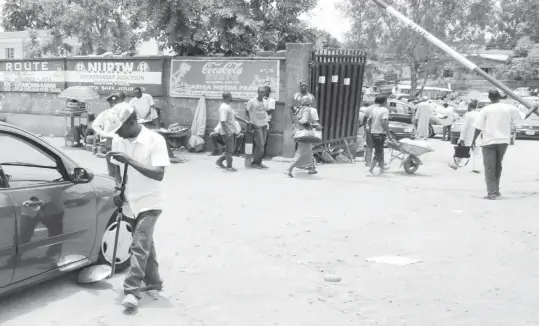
(455, 55)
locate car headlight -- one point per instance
(409, 130)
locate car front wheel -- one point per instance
(431, 132)
(125, 238)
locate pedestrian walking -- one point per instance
(270, 108)
(145, 106)
(466, 137)
(145, 152)
(422, 119)
(305, 117)
(303, 91)
(494, 123)
(447, 122)
(258, 121)
(218, 142)
(366, 112)
(227, 122)
(378, 123)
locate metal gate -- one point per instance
(336, 83)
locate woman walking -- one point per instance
(305, 117)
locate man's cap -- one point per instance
(109, 121)
(113, 97)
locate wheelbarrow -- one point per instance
(408, 152)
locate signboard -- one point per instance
(109, 75)
(32, 76)
(242, 78)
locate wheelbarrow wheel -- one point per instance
(411, 164)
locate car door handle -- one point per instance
(29, 203)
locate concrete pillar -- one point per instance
(298, 56)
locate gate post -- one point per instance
(298, 56)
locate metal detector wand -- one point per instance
(119, 217)
(454, 54)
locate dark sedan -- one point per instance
(55, 216)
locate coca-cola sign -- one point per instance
(242, 78)
(222, 68)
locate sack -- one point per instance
(308, 136)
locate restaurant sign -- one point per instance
(242, 78)
(109, 75)
(32, 76)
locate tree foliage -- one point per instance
(100, 26)
(187, 27)
(229, 27)
(459, 23)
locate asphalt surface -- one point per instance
(254, 248)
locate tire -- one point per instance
(411, 164)
(431, 132)
(454, 140)
(123, 254)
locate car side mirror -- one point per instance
(81, 175)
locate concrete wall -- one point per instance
(35, 111)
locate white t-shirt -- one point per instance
(143, 106)
(149, 148)
(270, 106)
(495, 122)
(226, 114)
(448, 113)
(377, 115)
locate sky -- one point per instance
(327, 17)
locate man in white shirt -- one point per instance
(467, 134)
(378, 123)
(145, 106)
(447, 121)
(270, 108)
(227, 122)
(145, 152)
(494, 122)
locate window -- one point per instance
(10, 53)
(25, 164)
(448, 73)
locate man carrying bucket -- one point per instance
(145, 151)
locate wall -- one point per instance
(37, 112)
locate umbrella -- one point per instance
(79, 93)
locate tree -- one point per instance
(459, 23)
(230, 27)
(51, 47)
(100, 26)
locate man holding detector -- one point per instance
(145, 151)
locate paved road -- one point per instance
(253, 248)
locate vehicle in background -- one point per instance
(529, 128)
(55, 216)
(433, 93)
(400, 111)
(523, 91)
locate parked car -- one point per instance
(523, 91)
(400, 111)
(55, 216)
(529, 128)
